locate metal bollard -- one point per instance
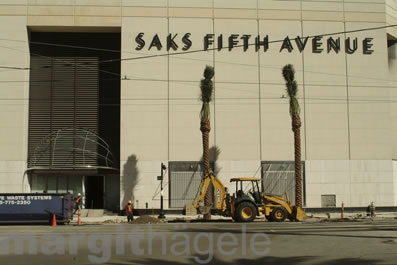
(342, 211)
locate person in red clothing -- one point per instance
(129, 211)
(77, 203)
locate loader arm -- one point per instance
(220, 194)
(202, 190)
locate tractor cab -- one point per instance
(253, 190)
(246, 201)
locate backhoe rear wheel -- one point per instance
(245, 212)
(279, 214)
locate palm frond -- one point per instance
(209, 72)
(206, 87)
(289, 72)
(292, 88)
(294, 107)
(205, 111)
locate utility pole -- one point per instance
(161, 215)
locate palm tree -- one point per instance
(294, 111)
(206, 87)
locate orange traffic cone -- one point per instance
(54, 220)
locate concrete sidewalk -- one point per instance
(178, 217)
(123, 219)
(353, 215)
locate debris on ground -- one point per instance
(199, 220)
(181, 220)
(115, 221)
(358, 216)
(312, 219)
(391, 241)
(334, 220)
(146, 219)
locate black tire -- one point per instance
(269, 218)
(279, 214)
(245, 212)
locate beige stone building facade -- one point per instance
(347, 95)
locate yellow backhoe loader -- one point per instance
(245, 207)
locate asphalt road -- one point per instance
(202, 243)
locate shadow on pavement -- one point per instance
(261, 261)
(304, 231)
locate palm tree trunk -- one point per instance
(205, 130)
(296, 125)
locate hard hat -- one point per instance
(79, 194)
(129, 201)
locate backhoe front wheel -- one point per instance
(245, 212)
(279, 214)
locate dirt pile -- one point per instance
(146, 219)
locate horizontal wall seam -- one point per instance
(224, 12)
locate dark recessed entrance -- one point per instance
(94, 192)
(74, 114)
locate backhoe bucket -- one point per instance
(299, 214)
(190, 210)
(204, 209)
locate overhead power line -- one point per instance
(181, 53)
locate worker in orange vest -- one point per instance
(129, 211)
(77, 203)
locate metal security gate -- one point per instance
(279, 177)
(184, 180)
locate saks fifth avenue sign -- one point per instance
(318, 44)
